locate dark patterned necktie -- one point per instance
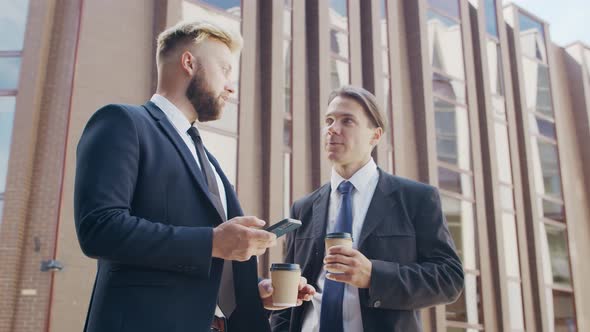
(227, 298)
(333, 294)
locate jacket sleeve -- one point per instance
(280, 320)
(108, 162)
(437, 276)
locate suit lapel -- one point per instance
(380, 205)
(180, 146)
(319, 221)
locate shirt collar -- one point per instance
(179, 121)
(360, 179)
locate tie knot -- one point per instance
(193, 132)
(345, 187)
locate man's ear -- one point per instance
(377, 133)
(188, 63)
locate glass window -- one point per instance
(495, 67)
(449, 7)
(339, 43)
(340, 73)
(339, 13)
(506, 197)
(287, 128)
(456, 182)
(385, 61)
(540, 126)
(467, 308)
(13, 17)
(7, 105)
(225, 149)
(383, 10)
(555, 254)
(537, 89)
(231, 6)
(287, 18)
(287, 185)
(491, 19)
(553, 210)
(228, 121)
(564, 312)
(452, 134)
(287, 61)
(532, 38)
(461, 219)
(510, 244)
(446, 45)
(499, 107)
(9, 72)
(515, 305)
(503, 153)
(449, 88)
(546, 166)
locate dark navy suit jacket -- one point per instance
(415, 264)
(142, 209)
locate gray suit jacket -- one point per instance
(405, 236)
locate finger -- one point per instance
(342, 250)
(262, 236)
(339, 277)
(345, 260)
(336, 268)
(299, 302)
(302, 283)
(249, 221)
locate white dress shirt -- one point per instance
(181, 124)
(364, 182)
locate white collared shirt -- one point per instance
(181, 124)
(365, 182)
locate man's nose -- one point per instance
(230, 87)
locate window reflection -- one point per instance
(448, 88)
(499, 107)
(542, 127)
(7, 105)
(230, 6)
(537, 89)
(495, 67)
(13, 16)
(491, 19)
(461, 220)
(446, 46)
(449, 7)
(552, 210)
(510, 244)
(555, 255)
(503, 153)
(515, 305)
(546, 166)
(564, 318)
(9, 72)
(507, 197)
(339, 73)
(452, 134)
(339, 43)
(339, 14)
(532, 38)
(468, 306)
(225, 149)
(456, 182)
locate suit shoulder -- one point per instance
(309, 198)
(412, 188)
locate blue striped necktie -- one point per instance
(333, 293)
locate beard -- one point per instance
(206, 104)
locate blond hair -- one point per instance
(195, 32)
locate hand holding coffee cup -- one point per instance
(285, 282)
(337, 239)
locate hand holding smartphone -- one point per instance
(283, 227)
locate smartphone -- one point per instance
(284, 226)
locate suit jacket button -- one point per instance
(377, 304)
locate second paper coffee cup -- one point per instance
(338, 239)
(285, 281)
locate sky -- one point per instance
(569, 20)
